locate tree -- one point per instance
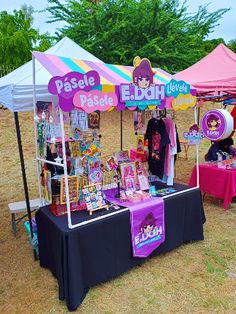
(18, 38)
(232, 44)
(117, 31)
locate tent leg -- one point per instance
(24, 175)
(198, 116)
(121, 130)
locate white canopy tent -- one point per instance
(16, 88)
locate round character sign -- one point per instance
(217, 124)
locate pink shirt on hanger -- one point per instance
(170, 128)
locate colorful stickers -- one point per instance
(93, 197)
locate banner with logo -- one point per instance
(147, 227)
(217, 124)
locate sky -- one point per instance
(226, 29)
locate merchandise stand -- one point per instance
(64, 164)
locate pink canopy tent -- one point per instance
(213, 75)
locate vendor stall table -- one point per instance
(101, 249)
(217, 182)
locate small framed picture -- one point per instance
(73, 183)
(122, 156)
(143, 182)
(128, 175)
(139, 122)
(130, 183)
(94, 120)
(140, 143)
(95, 175)
(111, 163)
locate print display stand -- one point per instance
(94, 198)
(98, 208)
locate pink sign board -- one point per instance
(95, 100)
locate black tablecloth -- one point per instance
(87, 255)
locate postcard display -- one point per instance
(68, 141)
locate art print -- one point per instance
(143, 182)
(122, 156)
(76, 133)
(44, 110)
(93, 148)
(95, 176)
(128, 175)
(140, 143)
(73, 184)
(93, 163)
(139, 122)
(111, 163)
(139, 167)
(94, 120)
(130, 183)
(75, 149)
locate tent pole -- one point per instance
(121, 130)
(197, 157)
(198, 116)
(63, 139)
(24, 175)
(35, 133)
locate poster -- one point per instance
(122, 156)
(75, 149)
(73, 182)
(94, 120)
(43, 110)
(111, 163)
(140, 143)
(128, 175)
(139, 122)
(143, 182)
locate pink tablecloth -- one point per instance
(217, 182)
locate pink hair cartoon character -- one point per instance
(194, 129)
(142, 74)
(213, 122)
(148, 224)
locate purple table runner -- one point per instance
(147, 223)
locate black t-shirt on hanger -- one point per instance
(158, 138)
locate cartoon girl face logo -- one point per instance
(142, 73)
(194, 129)
(148, 224)
(213, 122)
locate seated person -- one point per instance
(225, 145)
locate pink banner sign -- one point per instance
(66, 86)
(95, 100)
